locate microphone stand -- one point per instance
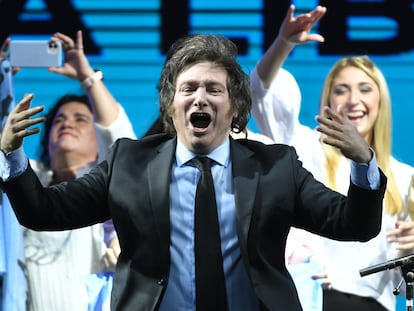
(406, 265)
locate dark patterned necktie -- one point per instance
(210, 283)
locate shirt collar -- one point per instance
(220, 155)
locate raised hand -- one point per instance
(18, 124)
(76, 65)
(293, 31)
(341, 133)
(296, 30)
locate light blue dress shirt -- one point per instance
(180, 292)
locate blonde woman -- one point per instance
(356, 88)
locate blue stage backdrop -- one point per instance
(127, 40)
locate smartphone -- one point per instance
(36, 53)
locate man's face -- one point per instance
(73, 133)
(201, 110)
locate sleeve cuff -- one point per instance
(12, 164)
(366, 175)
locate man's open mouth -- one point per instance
(200, 119)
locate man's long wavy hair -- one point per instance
(192, 50)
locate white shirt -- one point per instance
(276, 112)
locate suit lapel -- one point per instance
(159, 176)
(245, 179)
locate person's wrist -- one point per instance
(286, 41)
(91, 80)
(5, 148)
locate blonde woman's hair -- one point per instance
(380, 138)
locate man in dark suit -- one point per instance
(148, 188)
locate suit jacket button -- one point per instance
(160, 282)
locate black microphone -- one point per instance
(390, 264)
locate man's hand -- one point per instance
(18, 123)
(343, 134)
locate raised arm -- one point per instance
(19, 124)
(111, 120)
(293, 31)
(77, 67)
(275, 93)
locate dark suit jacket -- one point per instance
(272, 193)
